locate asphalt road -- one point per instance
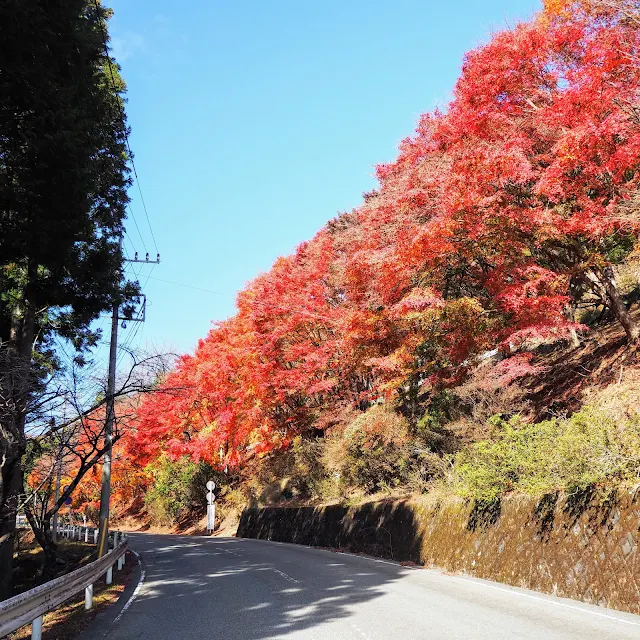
(249, 589)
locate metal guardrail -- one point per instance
(30, 606)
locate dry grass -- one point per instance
(574, 374)
(29, 558)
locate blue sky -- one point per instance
(253, 123)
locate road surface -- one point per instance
(235, 589)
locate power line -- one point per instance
(136, 223)
(105, 491)
(188, 286)
(266, 305)
(131, 248)
(146, 282)
(126, 133)
(144, 206)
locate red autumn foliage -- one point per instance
(495, 217)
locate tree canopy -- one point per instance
(63, 197)
(497, 219)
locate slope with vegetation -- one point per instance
(442, 336)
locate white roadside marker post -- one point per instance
(211, 506)
(36, 629)
(88, 597)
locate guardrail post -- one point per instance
(88, 597)
(36, 629)
(21, 612)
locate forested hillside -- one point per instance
(438, 335)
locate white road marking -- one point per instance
(136, 590)
(479, 581)
(233, 553)
(359, 631)
(547, 600)
(285, 576)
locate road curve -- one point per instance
(236, 589)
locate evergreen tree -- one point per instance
(63, 194)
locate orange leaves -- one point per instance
(597, 8)
(472, 239)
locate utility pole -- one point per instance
(60, 457)
(54, 532)
(105, 490)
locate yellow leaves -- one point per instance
(557, 7)
(564, 8)
(208, 429)
(464, 308)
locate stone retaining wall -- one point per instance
(582, 546)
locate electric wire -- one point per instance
(188, 286)
(265, 305)
(135, 222)
(126, 132)
(131, 250)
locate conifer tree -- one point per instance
(63, 194)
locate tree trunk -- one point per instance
(617, 305)
(570, 315)
(10, 493)
(43, 535)
(15, 379)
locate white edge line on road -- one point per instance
(515, 592)
(359, 631)
(479, 581)
(136, 590)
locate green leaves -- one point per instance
(63, 167)
(588, 448)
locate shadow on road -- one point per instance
(246, 588)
